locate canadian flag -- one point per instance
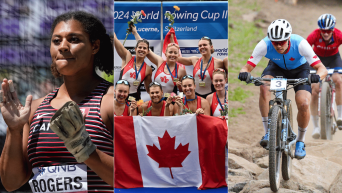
(169, 152)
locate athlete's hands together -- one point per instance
(68, 124)
(13, 112)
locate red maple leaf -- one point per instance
(292, 59)
(251, 57)
(315, 56)
(167, 156)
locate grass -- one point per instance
(239, 94)
(235, 111)
(243, 37)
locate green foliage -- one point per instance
(235, 111)
(224, 112)
(144, 113)
(238, 94)
(171, 18)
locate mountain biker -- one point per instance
(326, 40)
(290, 57)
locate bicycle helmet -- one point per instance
(279, 30)
(326, 21)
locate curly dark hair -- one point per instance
(104, 58)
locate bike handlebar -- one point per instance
(330, 71)
(257, 80)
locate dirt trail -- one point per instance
(317, 171)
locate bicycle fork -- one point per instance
(286, 147)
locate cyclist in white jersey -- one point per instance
(290, 57)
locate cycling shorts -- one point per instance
(302, 71)
(331, 61)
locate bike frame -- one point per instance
(282, 101)
(331, 83)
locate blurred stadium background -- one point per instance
(25, 45)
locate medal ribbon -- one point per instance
(225, 99)
(135, 68)
(202, 74)
(185, 100)
(171, 72)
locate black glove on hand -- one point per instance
(314, 78)
(244, 76)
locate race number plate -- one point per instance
(278, 84)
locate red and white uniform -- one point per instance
(125, 113)
(45, 148)
(198, 103)
(322, 50)
(161, 112)
(208, 76)
(215, 106)
(165, 79)
(129, 75)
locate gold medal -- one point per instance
(130, 98)
(136, 83)
(167, 95)
(175, 80)
(202, 83)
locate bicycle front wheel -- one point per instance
(274, 147)
(326, 117)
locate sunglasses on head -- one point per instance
(275, 43)
(188, 76)
(155, 83)
(206, 37)
(220, 70)
(123, 82)
(172, 44)
(328, 31)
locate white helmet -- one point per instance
(279, 30)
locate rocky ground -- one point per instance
(321, 170)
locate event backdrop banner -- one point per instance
(193, 21)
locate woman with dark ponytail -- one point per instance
(69, 131)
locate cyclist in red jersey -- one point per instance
(326, 40)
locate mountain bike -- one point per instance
(282, 139)
(326, 105)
